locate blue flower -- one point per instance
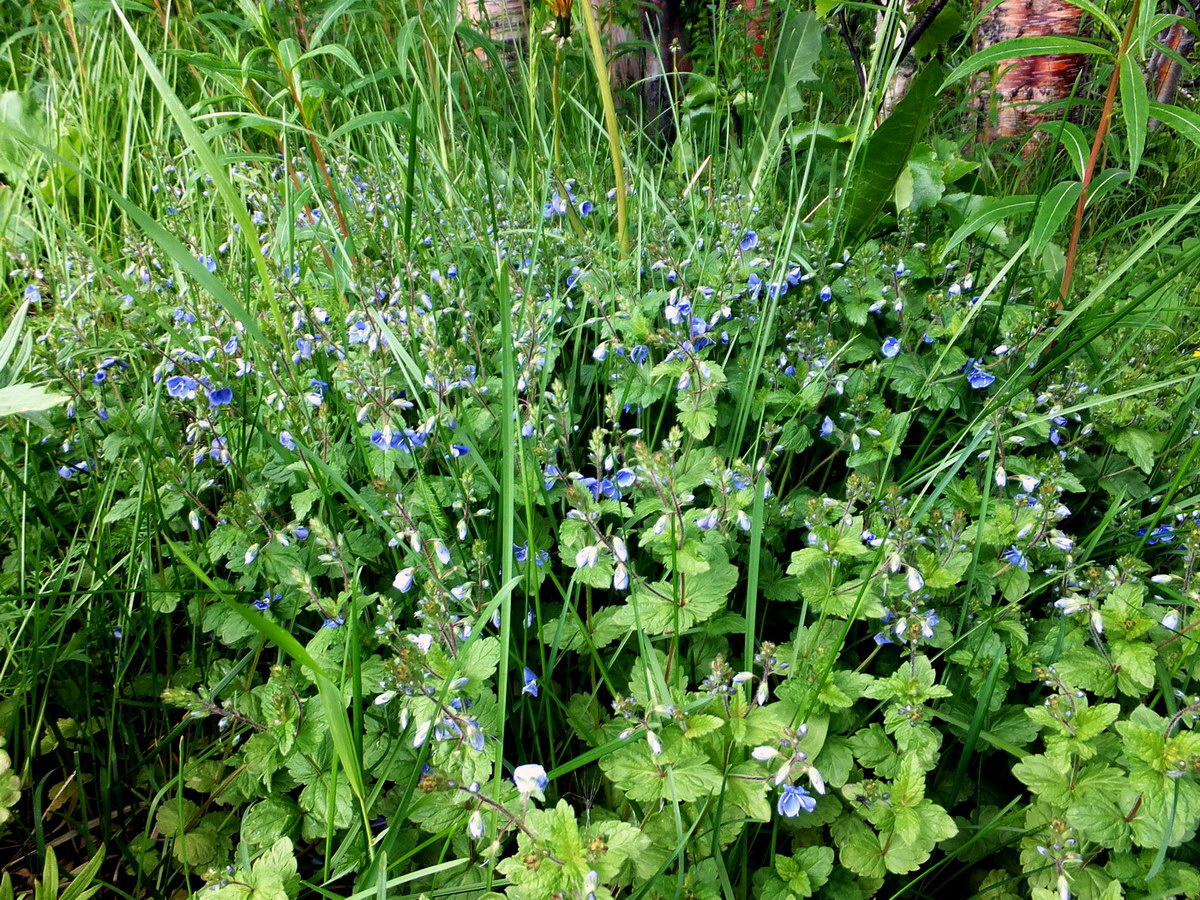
(531, 683)
(220, 397)
(209, 263)
(586, 207)
(639, 354)
(826, 294)
(1016, 558)
(521, 553)
(359, 333)
(979, 379)
(1162, 534)
(182, 387)
(826, 427)
(264, 603)
(793, 799)
(530, 779)
(285, 438)
(748, 242)
(458, 450)
(891, 347)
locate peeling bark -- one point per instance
(1010, 107)
(1164, 71)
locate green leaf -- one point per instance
(1054, 208)
(646, 778)
(920, 185)
(1021, 47)
(887, 152)
(1135, 666)
(858, 847)
(267, 821)
(1185, 122)
(28, 398)
(1073, 141)
(797, 51)
(1101, 16)
(1049, 779)
(1135, 108)
(990, 213)
(1139, 445)
(331, 695)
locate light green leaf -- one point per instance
(28, 398)
(987, 219)
(1019, 48)
(1135, 108)
(1054, 208)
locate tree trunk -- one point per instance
(1164, 71)
(1011, 106)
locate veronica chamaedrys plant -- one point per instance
(15, 352)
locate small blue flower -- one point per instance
(826, 427)
(531, 683)
(336, 622)
(220, 397)
(639, 354)
(359, 333)
(209, 263)
(891, 347)
(793, 799)
(748, 242)
(264, 602)
(585, 208)
(182, 387)
(102, 415)
(979, 379)
(285, 438)
(300, 532)
(459, 450)
(1016, 558)
(826, 294)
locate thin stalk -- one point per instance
(610, 122)
(1101, 130)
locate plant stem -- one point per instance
(610, 122)
(1101, 130)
